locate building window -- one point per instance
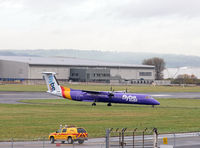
(74, 74)
(145, 73)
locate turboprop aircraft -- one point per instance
(95, 96)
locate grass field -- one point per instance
(38, 119)
(15, 87)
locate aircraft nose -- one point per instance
(156, 102)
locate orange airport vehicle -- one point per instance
(69, 134)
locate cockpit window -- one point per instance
(148, 97)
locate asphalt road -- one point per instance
(15, 97)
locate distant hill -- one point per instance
(171, 60)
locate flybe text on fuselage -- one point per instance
(129, 98)
(51, 83)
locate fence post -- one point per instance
(134, 137)
(43, 141)
(12, 140)
(155, 138)
(119, 136)
(122, 138)
(107, 138)
(143, 139)
(143, 136)
(174, 139)
(123, 143)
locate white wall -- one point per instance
(62, 72)
(130, 73)
(10, 69)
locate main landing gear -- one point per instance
(93, 104)
(109, 104)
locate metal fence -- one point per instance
(124, 138)
(115, 138)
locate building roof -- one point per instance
(67, 61)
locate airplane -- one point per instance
(96, 96)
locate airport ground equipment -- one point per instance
(69, 134)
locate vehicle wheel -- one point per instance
(52, 139)
(62, 142)
(80, 141)
(69, 140)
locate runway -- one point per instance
(14, 97)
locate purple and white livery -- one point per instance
(96, 96)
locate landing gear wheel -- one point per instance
(52, 139)
(70, 140)
(80, 141)
(94, 104)
(109, 104)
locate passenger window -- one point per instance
(64, 130)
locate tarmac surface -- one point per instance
(15, 97)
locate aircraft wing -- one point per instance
(99, 93)
(92, 92)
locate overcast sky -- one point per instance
(162, 26)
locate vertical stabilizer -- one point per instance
(52, 84)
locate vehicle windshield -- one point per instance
(58, 131)
(81, 130)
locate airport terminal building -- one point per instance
(23, 69)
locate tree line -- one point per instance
(159, 64)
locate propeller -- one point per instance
(111, 93)
(111, 89)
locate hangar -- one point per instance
(18, 68)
